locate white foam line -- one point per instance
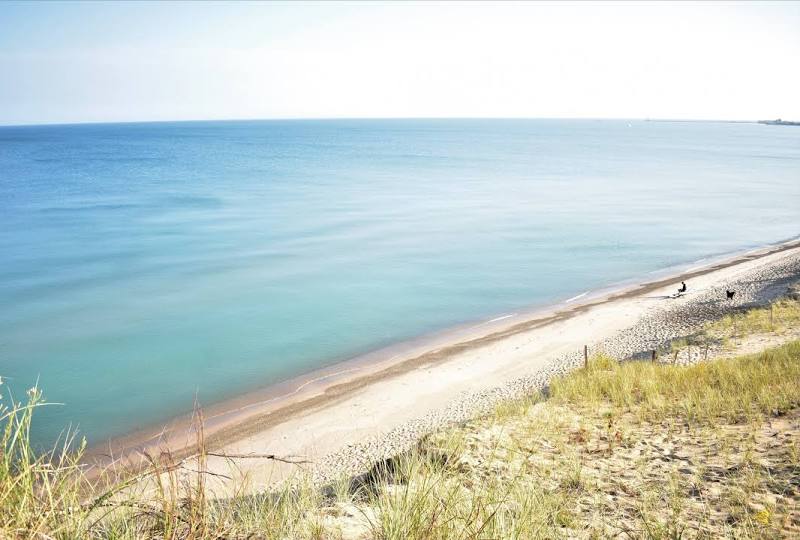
(576, 297)
(484, 323)
(501, 318)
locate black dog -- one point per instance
(729, 294)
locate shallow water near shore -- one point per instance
(146, 264)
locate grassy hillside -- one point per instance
(634, 450)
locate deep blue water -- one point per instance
(142, 263)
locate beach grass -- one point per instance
(632, 449)
(741, 389)
(778, 317)
(38, 493)
(775, 322)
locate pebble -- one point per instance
(675, 320)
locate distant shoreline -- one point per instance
(779, 122)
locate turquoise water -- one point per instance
(144, 263)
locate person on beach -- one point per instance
(683, 287)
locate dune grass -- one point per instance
(37, 492)
(632, 449)
(50, 496)
(587, 462)
(778, 317)
(740, 389)
(773, 322)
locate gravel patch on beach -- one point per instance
(676, 319)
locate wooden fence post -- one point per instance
(653, 355)
(585, 356)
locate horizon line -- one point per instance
(341, 118)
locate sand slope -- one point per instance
(344, 428)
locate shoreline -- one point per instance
(254, 414)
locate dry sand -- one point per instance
(371, 412)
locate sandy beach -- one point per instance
(341, 420)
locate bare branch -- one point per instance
(287, 459)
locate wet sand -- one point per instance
(342, 418)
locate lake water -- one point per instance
(144, 264)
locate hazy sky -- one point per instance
(62, 62)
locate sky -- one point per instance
(66, 62)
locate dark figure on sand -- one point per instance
(729, 294)
(683, 287)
